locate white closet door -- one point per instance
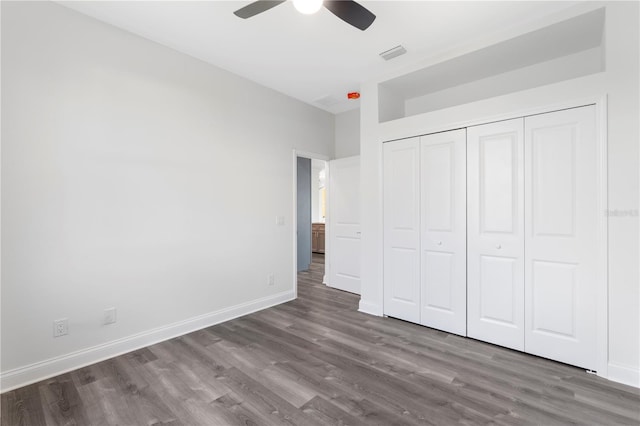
(495, 252)
(402, 229)
(443, 229)
(561, 236)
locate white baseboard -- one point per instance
(624, 374)
(36, 372)
(370, 308)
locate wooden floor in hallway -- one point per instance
(317, 361)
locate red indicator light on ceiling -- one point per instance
(353, 95)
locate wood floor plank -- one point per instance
(264, 400)
(422, 405)
(141, 356)
(234, 411)
(188, 405)
(318, 361)
(93, 401)
(62, 403)
(376, 414)
(327, 413)
(287, 387)
(22, 407)
(316, 377)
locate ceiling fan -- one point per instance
(348, 10)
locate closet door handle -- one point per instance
(498, 246)
(439, 243)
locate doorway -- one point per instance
(311, 195)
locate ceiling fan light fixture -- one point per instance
(307, 7)
(350, 11)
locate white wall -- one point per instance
(549, 72)
(623, 88)
(136, 177)
(620, 84)
(347, 134)
(317, 167)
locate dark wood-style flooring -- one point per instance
(317, 361)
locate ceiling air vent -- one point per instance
(392, 53)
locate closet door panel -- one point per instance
(561, 236)
(499, 290)
(402, 229)
(495, 239)
(443, 231)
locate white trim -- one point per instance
(310, 155)
(294, 225)
(602, 274)
(420, 125)
(327, 222)
(624, 374)
(370, 308)
(380, 247)
(38, 371)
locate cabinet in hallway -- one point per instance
(317, 237)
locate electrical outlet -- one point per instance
(109, 316)
(60, 327)
(271, 279)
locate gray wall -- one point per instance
(137, 177)
(304, 213)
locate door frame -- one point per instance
(391, 133)
(294, 191)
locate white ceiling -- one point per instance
(317, 56)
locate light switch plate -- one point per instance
(109, 316)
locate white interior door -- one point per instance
(401, 201)
(495, 243)
(344, 224)
(443, 246)
(561, 236)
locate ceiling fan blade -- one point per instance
(351, 13)
(256, 7)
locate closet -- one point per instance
(425, 230)
(495, 234)
(491, 232)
